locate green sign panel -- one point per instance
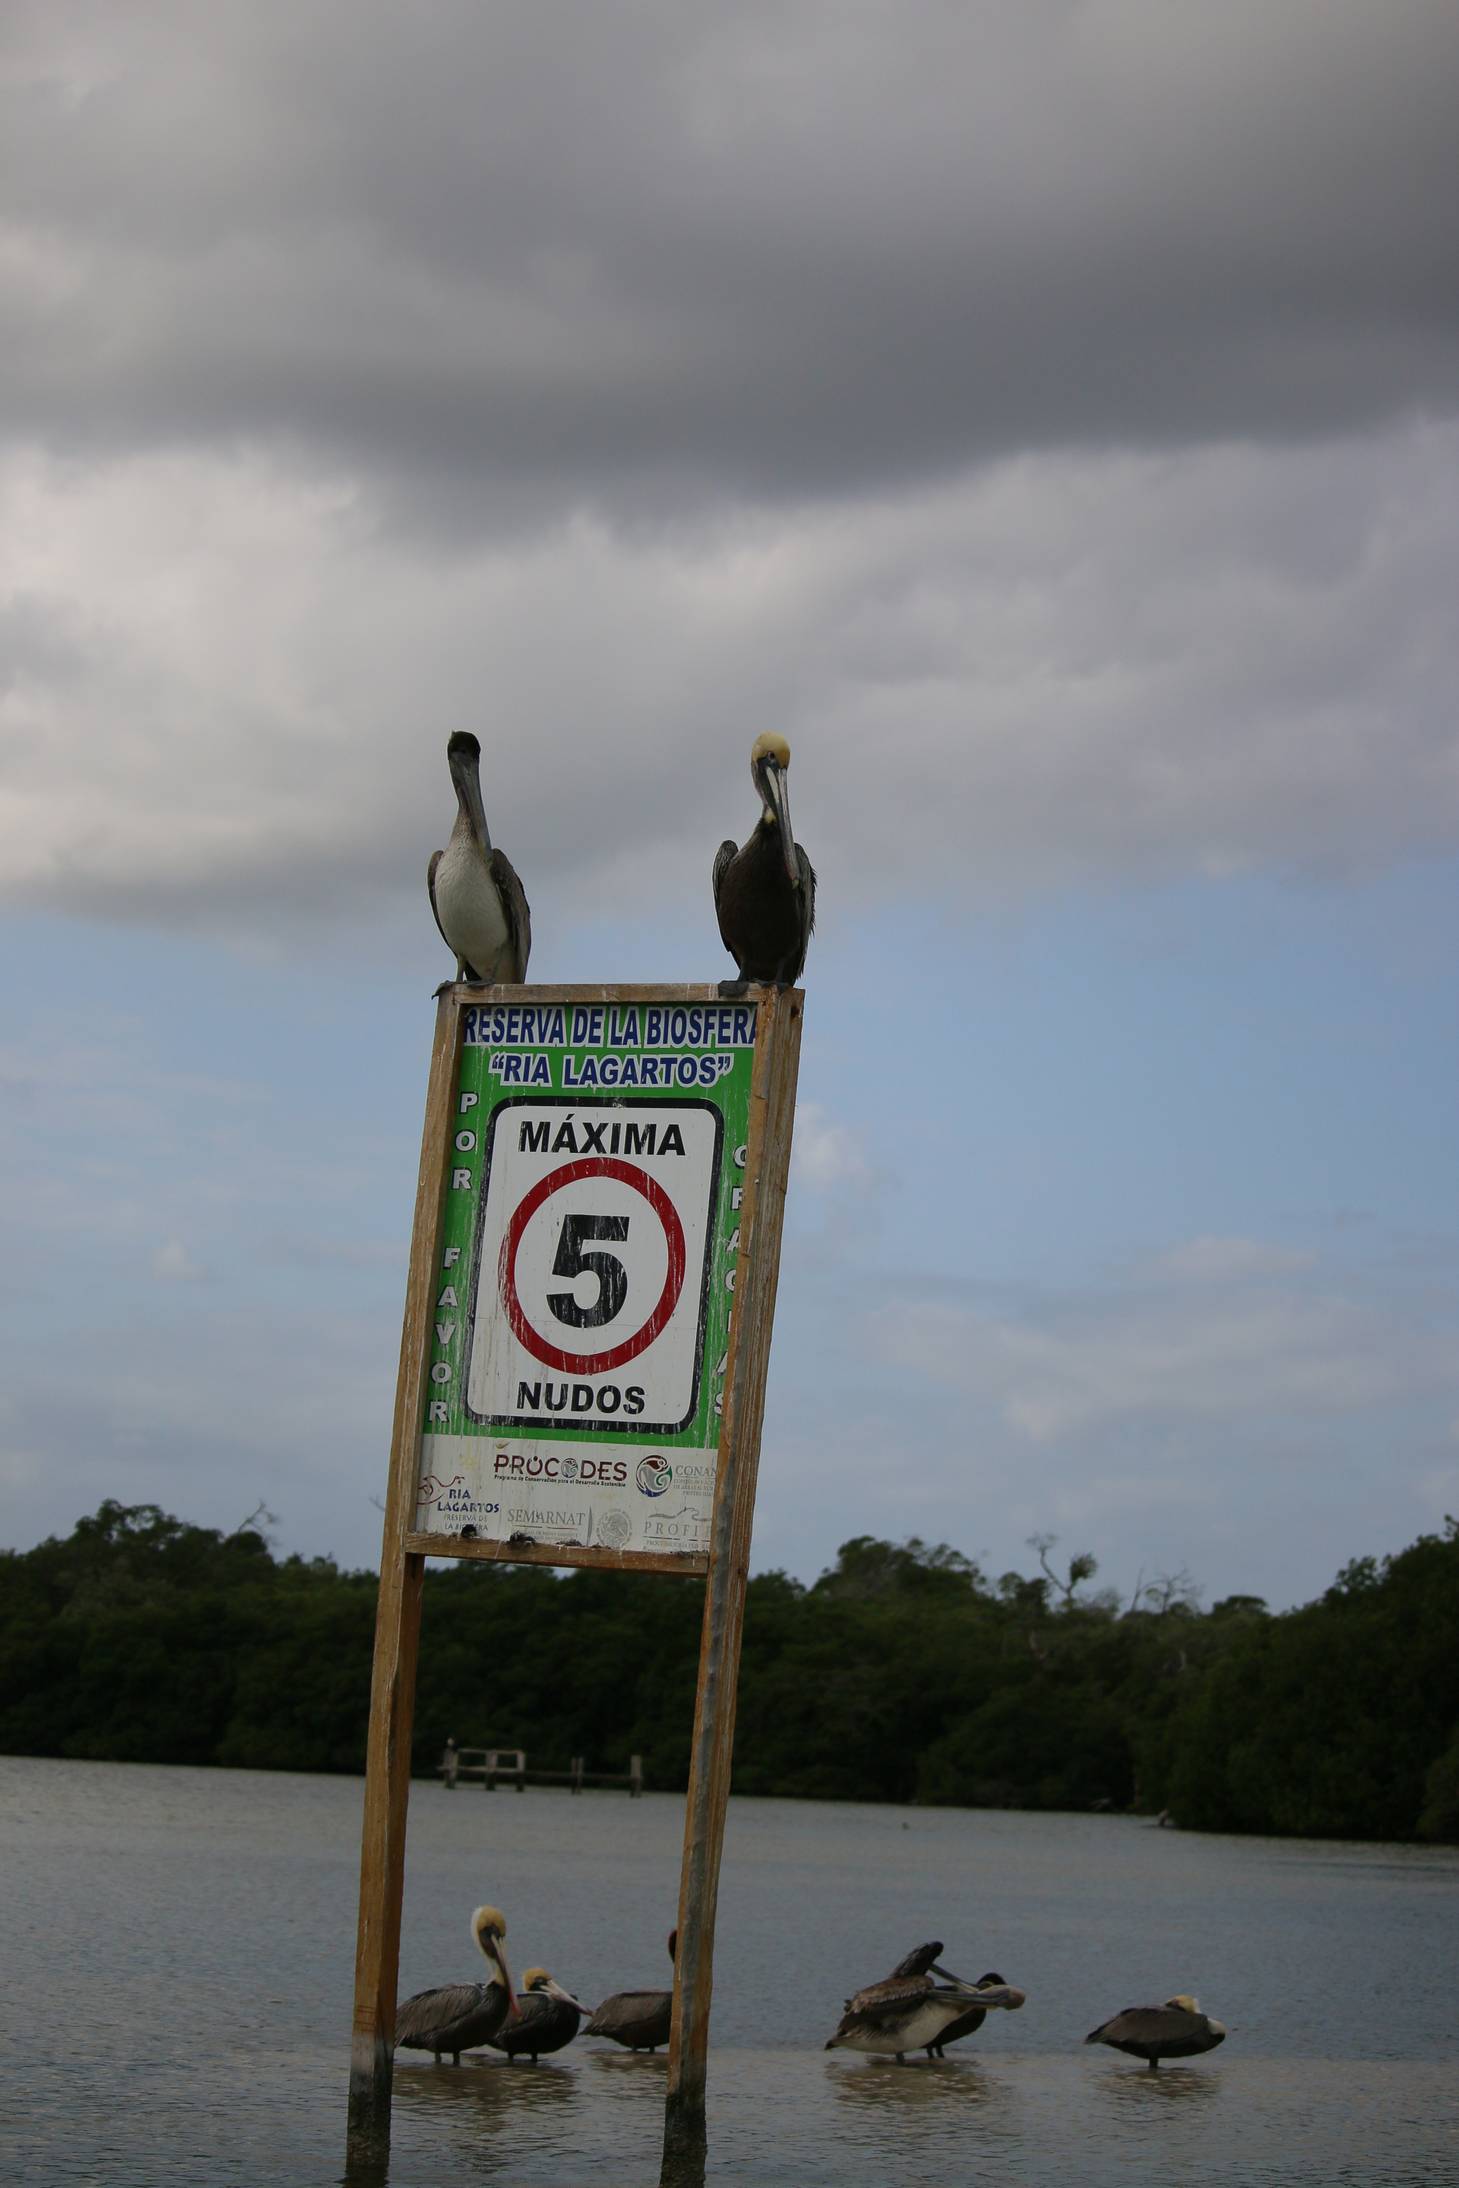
(587, 1269)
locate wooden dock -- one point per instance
(490, 1766)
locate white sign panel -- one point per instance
(592, 1264)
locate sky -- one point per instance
(1044, 413)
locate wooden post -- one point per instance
(397, 1638)
(635, 1777)
(767, 1165)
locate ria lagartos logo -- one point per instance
(653, 1474)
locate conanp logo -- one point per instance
(654, 1474)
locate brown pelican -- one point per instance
(547, 2018)
(455, 2016)
(907, 2011)
(637, 2019)
(479, 903)
(1176, 2030)
(967, 2024)
(765, 889)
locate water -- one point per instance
(178, 1955)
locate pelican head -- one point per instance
(1185, 2003)
(489, 1927)
(463, 757)
(769, 764)
(538, 1979)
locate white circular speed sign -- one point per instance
(592, 1264)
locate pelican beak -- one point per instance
(567, 1997)
(776, 792)
(999, 1994)
(464, 759)
(515, 2012)
(948, 1977)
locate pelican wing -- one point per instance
(877, 2002)
(431, 890)
(724, 858)
(533, 2007)
(632, 2016)
(1147, 2025)
(807, 897)
(420, 2018)
(515, 906)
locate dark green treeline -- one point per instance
(901, 1675)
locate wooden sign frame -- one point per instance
(725, 1566)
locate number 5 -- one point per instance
(609, 1270)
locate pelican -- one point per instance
(547, 2018)
(479, 903)
(765, 888)
(1176, 2030)
(968, 2024)
(637, 2019)
(907, 2011)
(455, 2016)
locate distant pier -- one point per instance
(490, 1766)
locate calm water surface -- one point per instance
(178, 1959)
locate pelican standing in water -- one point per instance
(637, 2019)
(479, 903)
(547, 2018)
(1176, 2030)
(968, 2024)
(765, 888)
(455, 2016)
(907, 2011)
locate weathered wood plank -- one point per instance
(767, 1166)
(604, 992)
(693, 1564)
(397, 1638)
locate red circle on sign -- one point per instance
(592, 1363)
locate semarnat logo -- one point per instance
(654, 1474)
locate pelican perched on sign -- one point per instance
(547, 2018)
(479, 903)
(765, 888)
(637, 2019)
(455, 2016)
(909, 2012)
(1176, 2030)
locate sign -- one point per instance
(586, 1270)
(582, 1382)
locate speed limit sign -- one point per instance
(587, 1267)
(591, 1265)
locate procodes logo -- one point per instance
(654, 1474)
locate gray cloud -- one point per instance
(1247, 1330)
(510, 257)
(1055, 670)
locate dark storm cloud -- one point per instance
(651, 250)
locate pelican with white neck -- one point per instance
(479, 902)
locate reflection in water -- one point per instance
(482, 2118)
(652, 2063)
(886, 2102)
(1179, 2085)
(496, 2098)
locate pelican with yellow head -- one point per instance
(454, 2017)
(765, 888)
